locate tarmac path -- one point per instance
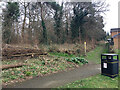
(61, 78)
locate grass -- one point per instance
(95, 55)
(118, 51)
(97, 81)
(119, 69)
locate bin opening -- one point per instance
(103, 57)
(114, 57)
(109, 57)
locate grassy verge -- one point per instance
(119, 70)
(118, 51)
(95, 55)
(119, 54)
(98, 81)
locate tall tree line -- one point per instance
(50, 22)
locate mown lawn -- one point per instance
(97, 81)
(118, 51)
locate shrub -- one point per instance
(52, 48)
(43, 62)
(27, 73)
(78, 51)
(77, 60)
(13, 77)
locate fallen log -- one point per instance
(12, 66)
(9, 53)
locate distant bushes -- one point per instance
(53, 48)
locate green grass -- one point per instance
(119, 69)
(118, 53)
(97, 81)
(95, 55)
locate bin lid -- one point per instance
(109, 54)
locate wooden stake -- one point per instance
(85, 47)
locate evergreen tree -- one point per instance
(58, 18)
(78, 20)
(9, 17)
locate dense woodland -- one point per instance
(50, 22)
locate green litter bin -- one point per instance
(110, 65)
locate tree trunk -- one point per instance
(30, 30)
(43, 26)
(17, 32)
(24, 20)
(66, 24)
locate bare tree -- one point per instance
(24, 20)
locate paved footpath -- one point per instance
(61, 78)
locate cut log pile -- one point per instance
(18, 52)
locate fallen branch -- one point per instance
(28, 54)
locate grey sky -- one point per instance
(111, 17)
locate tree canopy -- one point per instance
(46, 22)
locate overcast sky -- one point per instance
(111, 17)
